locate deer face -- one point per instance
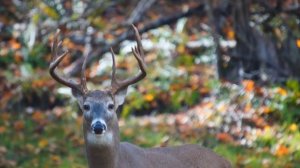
(99, 110)
(99, 107)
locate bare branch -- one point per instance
(97, 53)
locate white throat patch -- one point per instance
(100, 140)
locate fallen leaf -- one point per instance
(2, 129)
(14, 44)
(181, 49)
(149, 97)
(298, 43)
(43, 143)
(249, 85)
(248, 107)
(5, 116)
(128, 132)
(230, 34)
(265, 109)
(19, 125)
(281, 150)
(225, 137)
(37, 116)
(281, 91)
(293, 127)
(56, 159)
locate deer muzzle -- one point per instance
(99, 127)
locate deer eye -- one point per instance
(86, 107)
(111, 106)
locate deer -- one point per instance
(100, 122)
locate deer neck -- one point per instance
(102, 150)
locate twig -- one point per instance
(96, 54)
(139, 11)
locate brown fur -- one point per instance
(125, 155)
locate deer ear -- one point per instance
(78, 95)
(120, 97)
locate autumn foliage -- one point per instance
(251, 122)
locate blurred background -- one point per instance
(223, 74)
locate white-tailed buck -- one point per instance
(101, 129)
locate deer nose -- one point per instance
(99, 127)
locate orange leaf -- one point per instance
(298, 43)
(5, 116)
(249, 85)
(204, 91)
(37, 116)
(14, 44)
(265, 110)
(19, 125)
(2, 129)
(281, 91)
(38, 83)
(18, 57)
(230, 34)
(281, 150)
(225, 137)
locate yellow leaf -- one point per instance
(181, 49)
(248, 107)
(281, 91)
(208, 105)
(222, 107)
(149, 97)
(293, 127)
(48, 11)
(43, 143)
(265, 110)
(55, 158)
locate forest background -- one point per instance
(222, 74)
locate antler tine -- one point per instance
(138, 41)
(139, 55)
(56, 60)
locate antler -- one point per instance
(81, 87)
(139, 55)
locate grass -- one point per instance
(57, 142)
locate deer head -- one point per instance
(99, 106)
(101, 130)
